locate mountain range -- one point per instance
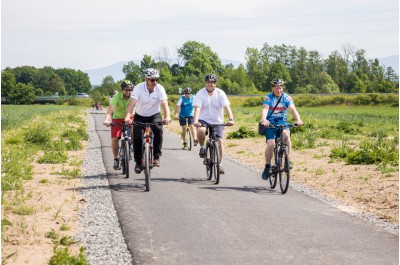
(97, 75)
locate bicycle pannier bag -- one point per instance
(261, 129)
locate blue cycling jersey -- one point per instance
(186, 104)
(279, 115)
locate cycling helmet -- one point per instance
(277, 82)
(126, 83)
(211, 78)
(151, 73)
(187, 90)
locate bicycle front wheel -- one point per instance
(284, 172)
(216, 161)
(273, 171)
(208, 161)
(189, 139)
(126, 156)
(122, 152)
(147, 168)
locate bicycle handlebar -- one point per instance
(119, 124)
(146, 124)
(288, 125)
(215, 125)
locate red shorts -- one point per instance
(116, 130)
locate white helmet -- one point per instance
(151, 73)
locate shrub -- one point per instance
(242, 132)
(253, 102)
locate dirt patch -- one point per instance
(363, 187)
(49, 211)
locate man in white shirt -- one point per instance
(146, 98)
(209, 105)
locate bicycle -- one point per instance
(188, 133)
(212, 160)
(280, 164)
(147, 150)
(125, 144)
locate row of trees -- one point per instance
(304, 71)
(22, 84)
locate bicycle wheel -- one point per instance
(216, 161)
(284, 172)
(122, 152)
(126, 162)
(189, 139)
(273, 171)
(147, 170)
(208, 161)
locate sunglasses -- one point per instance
(153, 80)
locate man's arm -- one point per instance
(108, 115)
(264, 113)
(129, 110)
(196, 116)
(295, 114)
(167, 116)
(176, 111)
(230, 114)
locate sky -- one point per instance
(90, 34)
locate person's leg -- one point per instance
(158, 135)
(115, 147)
(286, 134)
(137, 140)
(269, 150)
(183, 134)
(193, 131)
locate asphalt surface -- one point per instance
(186, 219)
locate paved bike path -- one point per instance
(185, 219)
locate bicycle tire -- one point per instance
(189, 139)
(284, 172)
(122, 152)
(147, 169)
(207, 162)
(216, 161)
(126, 164)
(273, 172)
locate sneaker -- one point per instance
(156, 162)
(116, 164)
(265, 174)
(184, 146)
(138, 168)
(202, 153)
(221, 170)
(195, 142)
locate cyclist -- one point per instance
(117, 109)
(209, 105)
(185, 103)
(146, 98)
(275, 106)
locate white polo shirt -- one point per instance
(148, 104)
(211, 107)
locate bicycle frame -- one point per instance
(125, 148)
(147, 150)
(213, 159)
(281, 167)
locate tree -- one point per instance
(279, 70)
(55, 85)
(7, 83)
(336, 67)
(147, 62)
(75, 81)
(132, 72)
(196, 54)
(22, 94)
(257, 68)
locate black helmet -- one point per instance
(126, 83)
(211, 78)
(187, 90)
(277, 82)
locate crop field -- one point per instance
(12, 115)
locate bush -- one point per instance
(242, 132)
(253, 102)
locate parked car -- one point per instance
(82, 95)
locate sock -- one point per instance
(267, 165)
(202, 146)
